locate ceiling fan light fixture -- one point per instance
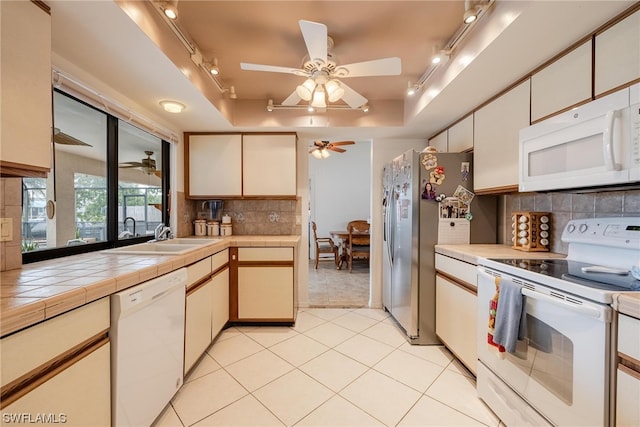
(334, 90)
(305, 90)
(321, 153)
(174, 107)
(318, 98)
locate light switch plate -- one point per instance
(6, 229)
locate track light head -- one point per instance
(270, 105)
(170, 9)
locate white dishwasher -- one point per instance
(147, 348)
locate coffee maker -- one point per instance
(211, 210)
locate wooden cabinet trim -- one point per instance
(497, 190)
(468, 287)
(233, 284)
(265, 263)
(12, 170)
(38, 376)
(200, 283)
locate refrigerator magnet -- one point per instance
(428, 190)
(464, 170)
(429, 161)
(437, 176)
(464, 195)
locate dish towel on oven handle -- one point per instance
(510, 318)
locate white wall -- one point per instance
(340, 188)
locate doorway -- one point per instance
(339, 192)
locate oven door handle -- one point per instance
(581, 309)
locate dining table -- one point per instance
(343, 237)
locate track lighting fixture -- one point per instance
(440, 56)
(365, 108)
(232, 93)
(412, 89)
(170, 9)
(213, 68)
(270, 105)
(472, 9)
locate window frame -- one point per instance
(112, 195)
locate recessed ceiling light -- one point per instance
(172, 106)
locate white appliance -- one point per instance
(561, 370)
(147, 348)
(596, 144)
(414, 222)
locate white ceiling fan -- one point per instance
(323, 73)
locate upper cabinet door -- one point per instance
(618, 55)
(461, 135)
(563, 84)
(25, 84)
(440, 142)
(269, 165)
(497, 133)
(215, 165)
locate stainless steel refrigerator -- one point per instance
(428, 199)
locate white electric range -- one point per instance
(561, 371)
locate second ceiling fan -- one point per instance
(323, 74)
(320, 149)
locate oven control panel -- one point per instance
(616, 232)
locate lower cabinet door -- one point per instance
(220, 309)
(628, 396)
(197, 327)
(79, 395)
(456, 321)
(265, 293)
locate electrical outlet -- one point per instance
(6, 229)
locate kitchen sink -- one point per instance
(177, 246)
(188, 241)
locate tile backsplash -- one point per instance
(11, 207)
(568, 206)
(255, 216)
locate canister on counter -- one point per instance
(213, 228)
(200, 227)
(225, 230)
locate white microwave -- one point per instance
(594, 145)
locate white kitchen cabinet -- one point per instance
(496, 138)
(214, 165)
(265, 285)
(25, 84)
(60, 368)
(440, 142)
(628, 373)
(269, 164)
(207, 305)
(562, 84)
(79, 395)
(456, 299)
(460, 135)
(617, 55)
(238, 165)
(197, 326)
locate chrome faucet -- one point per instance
(132, 233)
(162, 232)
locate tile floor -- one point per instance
(335, 367)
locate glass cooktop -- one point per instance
(572, 271)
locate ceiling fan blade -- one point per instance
(377, 67)
(292, 99)
(272, 69)
(64, 139)
(125, 166)
(315, 37)
(336, 149)
(342, 143)
(352, 98)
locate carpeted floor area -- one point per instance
(329, 287)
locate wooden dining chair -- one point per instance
(324, 245)
(358, 247)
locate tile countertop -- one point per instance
(42, 290)
(628, 303)
(471, 253)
